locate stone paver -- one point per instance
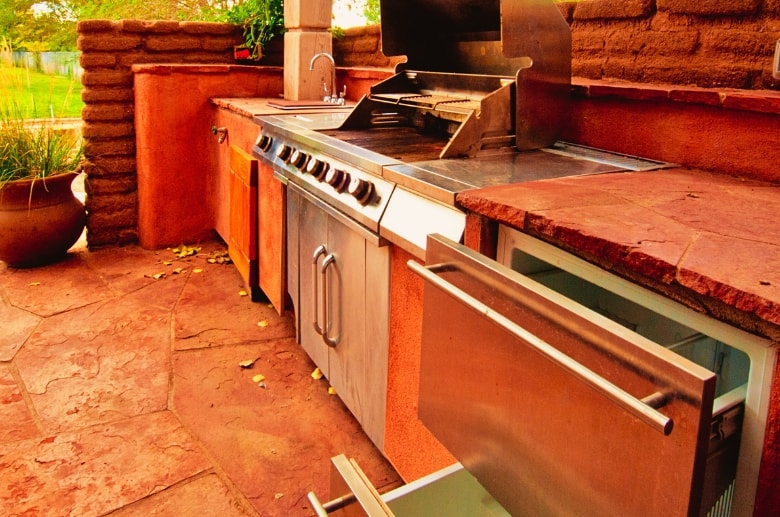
(121, 392)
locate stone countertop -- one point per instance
(250, 107)
(709, 241)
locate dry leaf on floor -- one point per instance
(258, 378)
(243, 293)
(197, 270)
(219, 257)
(185, 251)
(247, 363)
(263, 323)
(34, 284)
(316, 374)
(166, 263)
(179, 271)
(278, 495)
(331, 390)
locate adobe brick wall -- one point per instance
(706, 43)
(108, 52)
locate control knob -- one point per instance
(361, 190)
(298, 158)
(338, 179)
(317, 168)
(283, 152)
(264, 142)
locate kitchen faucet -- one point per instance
(333, 98)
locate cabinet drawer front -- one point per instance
(541, 399)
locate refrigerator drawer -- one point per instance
(551, 396)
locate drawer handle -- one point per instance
(326, 312)
(637, 407)
(315, 292)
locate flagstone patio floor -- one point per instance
(121, 393)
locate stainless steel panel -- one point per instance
(409, 219)
(540, 440)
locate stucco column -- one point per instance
(308, 23)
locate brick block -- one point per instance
(149, 27)
(97, 60)
(108, 77)
(101, 166)
(709, 7)
(107, 42)
(107, 129)
(172, 43)
(106, 188)
(612, 9)
(85, 26)
(210, 28)
(115, 147)
(98, 94)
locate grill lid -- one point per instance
(454, 41)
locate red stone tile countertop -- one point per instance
(763, 101)
(710, 241)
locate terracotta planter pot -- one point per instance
(39, 221)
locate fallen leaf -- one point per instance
(331, 390)
(263, 323)
(197, 270)
(263, 385)
(278, 495)
(316, 374)
(158, 276)
(764, 282)
(242, 293)
(211, 261)
(247, 363)
(179, 271)
(258, 378)
(167, 263)
(34, 284)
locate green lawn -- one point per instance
(39, 95)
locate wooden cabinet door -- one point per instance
(271, 221)
(242, 244)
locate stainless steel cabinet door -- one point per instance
(553, 408)
(343, 308)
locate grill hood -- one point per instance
(525, 39)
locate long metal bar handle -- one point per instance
(641, 410)
(321, 250)
(331, 342)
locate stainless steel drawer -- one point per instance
(555, 408)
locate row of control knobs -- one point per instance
(362, 190)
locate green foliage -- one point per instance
(34, 151)
(40, 95)
(260, 19)
(371, 12)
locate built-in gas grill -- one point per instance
(477, 103)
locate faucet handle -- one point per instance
(326, 94)
(342, 96)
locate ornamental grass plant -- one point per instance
(35, 149)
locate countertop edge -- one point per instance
(653, 238)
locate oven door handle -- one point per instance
(330, 259)
(319, 251)
(639, 408)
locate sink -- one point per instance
(305, 104)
